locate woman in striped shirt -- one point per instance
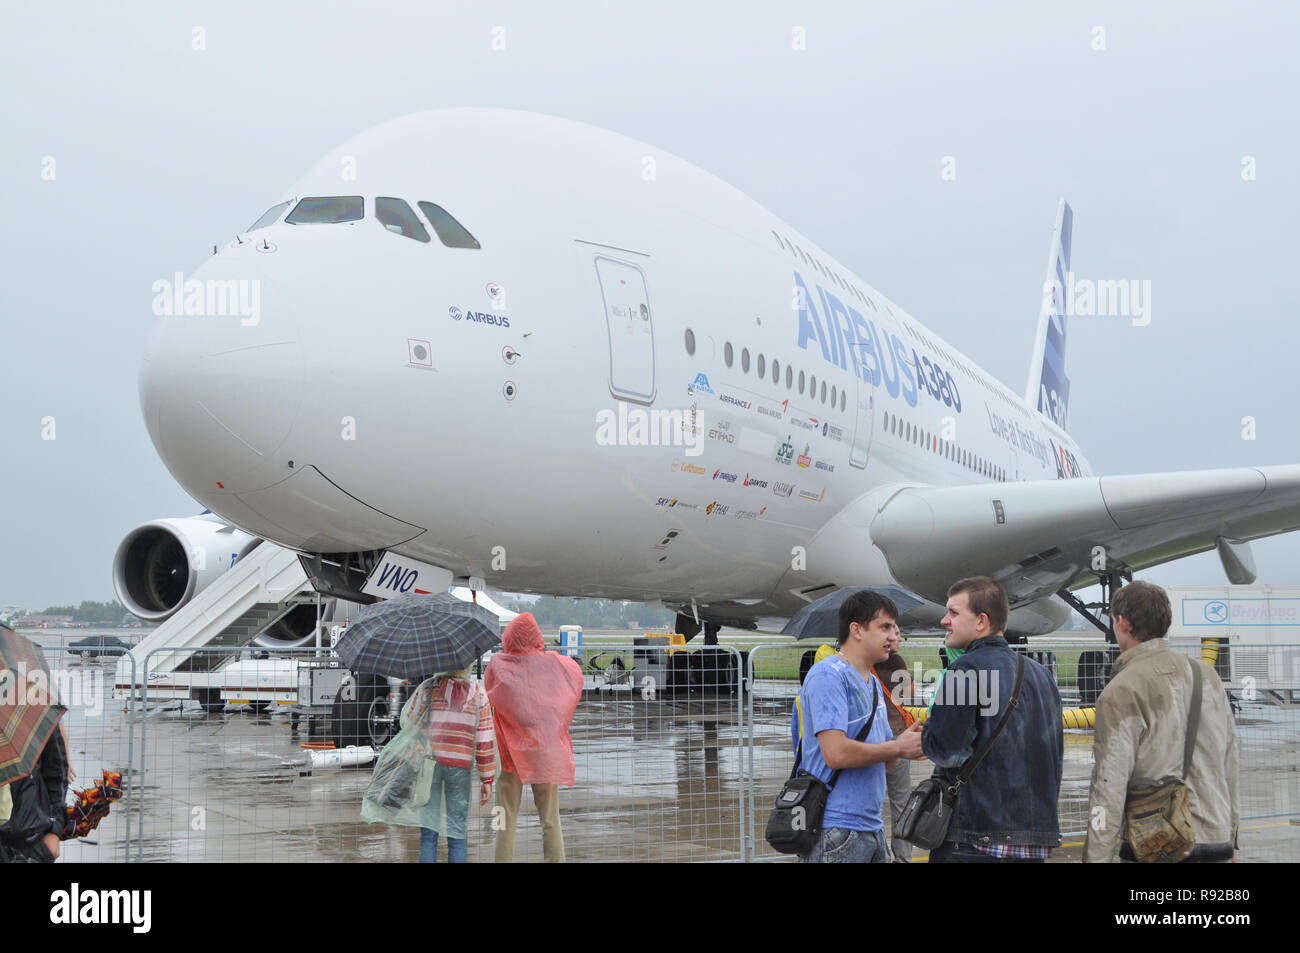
(459, 721)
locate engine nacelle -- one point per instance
(162, 565)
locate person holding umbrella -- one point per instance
(534, 694)
(33, 758)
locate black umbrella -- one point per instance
(415, 636)
(821, 619)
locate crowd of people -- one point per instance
(1164, 733)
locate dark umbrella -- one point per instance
(415, 636)
(28, 714)
(821, 619)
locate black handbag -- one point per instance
(925, 817)
(796, 820)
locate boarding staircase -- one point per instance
(239, 605)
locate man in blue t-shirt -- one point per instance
(837, 703)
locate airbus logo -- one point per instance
(480, 317)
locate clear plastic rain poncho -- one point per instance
(412, 782)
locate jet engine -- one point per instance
(163, 564)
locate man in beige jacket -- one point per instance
(1141, 732)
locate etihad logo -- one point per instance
(721, 434)
(681, 466)
(724, 477)
(751, 481)
(810, 495)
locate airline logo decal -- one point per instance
(724, 477)
(752, 481)
(479, 317)
(785, 453)
(875, 354)
(701, 383)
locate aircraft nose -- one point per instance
(221, 383)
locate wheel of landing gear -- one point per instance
(713, 670)
(680, 673)
(1092, 677)
(359, 712)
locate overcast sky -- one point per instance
(161, 150)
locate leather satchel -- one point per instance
(925, 817)
(796, 819)
(1158, 817)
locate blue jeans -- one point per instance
(456, 848)
(839, 845)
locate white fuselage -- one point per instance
(507, 443)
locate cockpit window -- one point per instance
(269, 217)
(451, 232)
(396, 216)
(327, 210)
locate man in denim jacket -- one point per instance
(1007, 810)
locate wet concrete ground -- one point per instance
(656, 781)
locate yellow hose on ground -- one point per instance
(1070, 717)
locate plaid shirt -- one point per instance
(1016, 851)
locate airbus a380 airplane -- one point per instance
(534, 352)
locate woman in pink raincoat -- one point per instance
(534, 694)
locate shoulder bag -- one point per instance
(925, 817)
(796, 821)
(1158, 817)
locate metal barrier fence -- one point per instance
(674, 763)
(98, 731)
(1266, 703)
(658, 745)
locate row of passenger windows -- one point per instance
(394, 214)
(812, 261)
(898, 427)
(807, 383)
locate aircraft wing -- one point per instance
(1038, 537)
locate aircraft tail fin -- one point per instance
(1048, 388)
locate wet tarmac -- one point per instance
(661, 780)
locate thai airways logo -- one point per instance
(716, 509)
(701, 383)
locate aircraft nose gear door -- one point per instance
(631, 330)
